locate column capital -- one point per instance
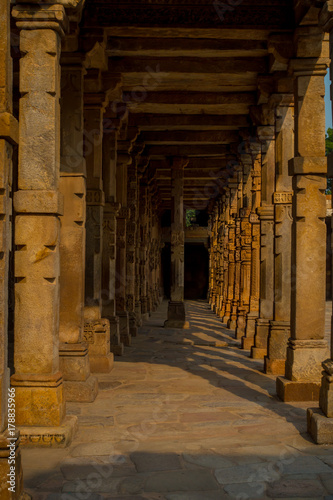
(38, 16)
(326, 17)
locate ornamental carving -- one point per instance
(283, 197)
(95, 197)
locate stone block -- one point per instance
(97, 336)
(274, 366)
(49, 437)
(176, 316)
(304, 360)
(41, 201)
(81, 391)
(9, 128)
(288, 390)
(39, 399)
(320, 427)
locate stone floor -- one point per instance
(185, 415)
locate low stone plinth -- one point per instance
(49, 437)
(320, 427)
(97, 336)
(288, 390)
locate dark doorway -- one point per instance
(196, 271)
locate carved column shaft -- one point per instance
(307, 347)
(37, 379)
(280, 326)
(176, 310)
(253, 314)
(8, 137)
(266, 214)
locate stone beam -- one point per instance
(194, 151)
(184, 47)
(146, 121)
(189, 137)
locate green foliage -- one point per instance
(329, 141)
(190, 214)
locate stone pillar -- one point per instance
(8, 137)
(143, 249)
(230, 314)
(111, 211)
(40, 405)
(237, 278)
(280, 326)
(93, 145)
(123, 160)
(79, 385)
(253, 314)
(307, 347)
(266, 136)
(320, 421)
(213, 259)
(176, 309)
(131, 246)
(245, 247)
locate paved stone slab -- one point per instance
(241, 474)
(246, 490)
(146, 462)
(209, 461)
(186, 480)
(295, 488)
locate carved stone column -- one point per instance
(307, 348)
(245, 247)
(253, 314)
(320, 422)
(280, 326)
(79, 385)
(176, 309)
(40, 405)
(266, 214)
(8, 137)
(111, 211)
(131, 246)
(143, 249)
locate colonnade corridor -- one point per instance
(184, 415)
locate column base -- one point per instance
(241, 323)
(275, 366)
(326, 389)
(320, 427)
(259, 350)
(275, 361)
(116, 347)
(39, 400)
(79, 385)
(288, 390)
(49, 437)
(232, 324)
(176, 316)
(102, 364)
(97, 334)
(250, 330)
(11, 478)
(81, 391)
(124, 332)
(133, 329)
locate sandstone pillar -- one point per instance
(8, 138)
(320, 422)
(40, 405)
(245, 247)
(307, 347)
(110, 213)
(143, 210)
(131, 246)
(176, 309)
(280, 326)
(266, 136)
(231, 314)
(79, 385)
(253, 314)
